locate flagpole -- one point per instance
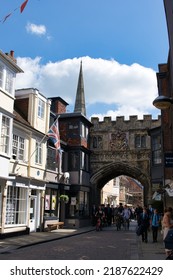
(42, 140)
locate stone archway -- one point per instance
(121, 147)
(115, 169)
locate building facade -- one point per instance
(8, 71)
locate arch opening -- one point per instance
(113, 170)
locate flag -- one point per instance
(22, 7)
(54, 136)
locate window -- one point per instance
(84, 161)
(5, 135)
(1, 75)
(140, 141)
(18, 147)
(80, 207)
(84, 132)
(40, 108)
(16, 210)
(73, 161)
(6, 79)
(51, 159)
(156, 150)
(38, 153)
(9, 81)
(97, 142)
(51, 203)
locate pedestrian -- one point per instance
(155, 223)
(120, 208)
(137, 213)
(113, 214)
(144, 222)
(167, 223)
(100, 215)
(126, 213)
(94, 210)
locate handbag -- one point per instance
(169, 239)
(139, 230)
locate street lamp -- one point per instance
(162, 102)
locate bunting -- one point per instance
(21, 8)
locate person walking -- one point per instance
(126, 213)
(144, 222)
(155, 223)
(167, 223)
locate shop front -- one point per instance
(21, 203)
(77, 212)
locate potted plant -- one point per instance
(64, 198)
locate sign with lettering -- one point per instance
(168, 159)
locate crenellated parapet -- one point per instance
(122, 135)
(120, 122)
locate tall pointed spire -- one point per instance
(80, 96)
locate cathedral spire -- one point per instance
(80, 96)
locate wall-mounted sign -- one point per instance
(168, 159)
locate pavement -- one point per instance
(139, 249)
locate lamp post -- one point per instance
(163, 103)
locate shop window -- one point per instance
(78, 205)
(16, 210)
(51, 203)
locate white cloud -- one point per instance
(128, 90)
(36, 29)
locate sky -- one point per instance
(120, 44)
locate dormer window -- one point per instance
(40, 108)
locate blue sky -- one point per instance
(120, 42)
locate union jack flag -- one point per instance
(54, 136)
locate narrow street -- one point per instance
(108, 244)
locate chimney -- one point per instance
(11, 55)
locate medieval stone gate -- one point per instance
(121, 147)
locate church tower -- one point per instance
(80, 96)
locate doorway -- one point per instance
(32, 213)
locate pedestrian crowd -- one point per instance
(109, 215)
(148, 219)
